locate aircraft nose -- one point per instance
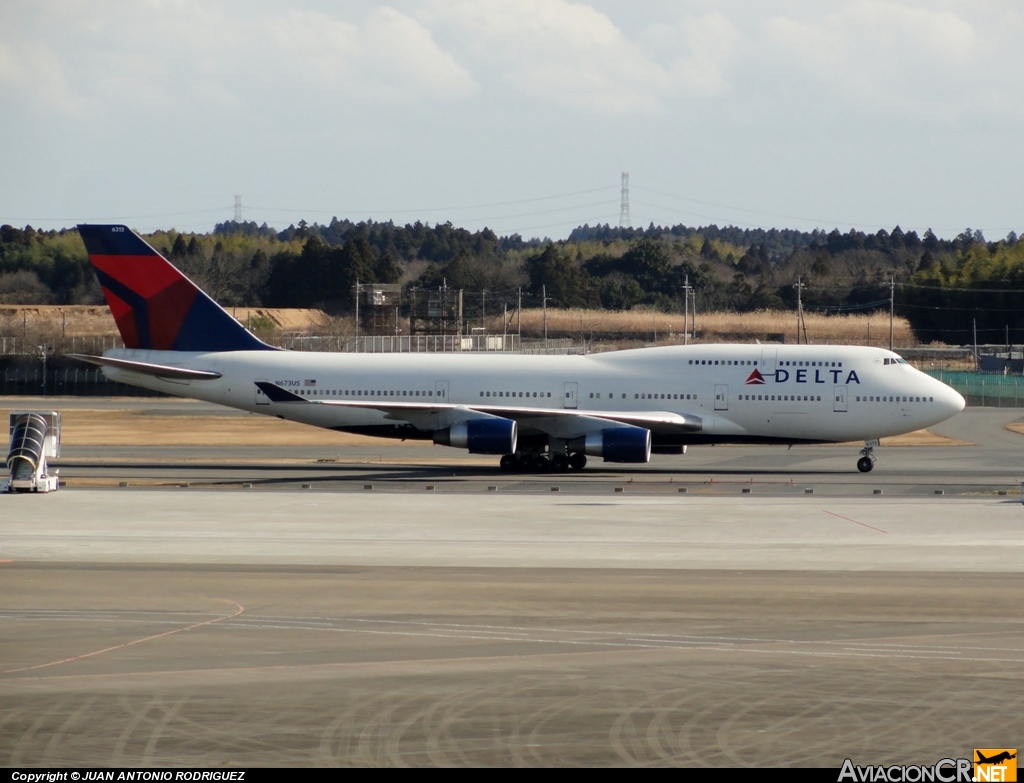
(950, 399)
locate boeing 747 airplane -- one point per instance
(536, 412)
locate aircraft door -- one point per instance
(261, 398)
(839, 400)
(441, 392)
(768, 356)
(721, 397)
(571, 399)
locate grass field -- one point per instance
(53, 325)
(653, 326)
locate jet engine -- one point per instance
(480, 436)
(619, 444)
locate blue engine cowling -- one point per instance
(480, 436)
(620, 444)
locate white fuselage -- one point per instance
(739, 392)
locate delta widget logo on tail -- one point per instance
(755, 379)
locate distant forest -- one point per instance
(944, 287)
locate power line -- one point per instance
(438, 209)
(940, 289)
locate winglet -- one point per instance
(155, 306)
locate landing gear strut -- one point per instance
(867, 457)
(535, 462)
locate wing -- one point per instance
(557, 422)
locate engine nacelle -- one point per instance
(619, 444)
(480, 436)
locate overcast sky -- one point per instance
(518, 115)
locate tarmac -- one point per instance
(427, 609)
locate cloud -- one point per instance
(33, 68)
(880, 51)
(711, 42)
(574, 55)
(160, 52)
(389, 55)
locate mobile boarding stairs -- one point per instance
(35, 436)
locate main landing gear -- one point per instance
(867, 457)
(536, 462)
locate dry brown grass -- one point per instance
(96, 320)
(644, 324)
(920, 438)
(49, 322)
(84, 427)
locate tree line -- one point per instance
(947, 288)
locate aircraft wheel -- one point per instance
(865, 464)
(578, 461)
(509, 462)
(559, 463)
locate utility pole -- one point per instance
(483, 310)
(693, 313)
(686, 310)
(544, 296)
(974, 328)
(892, 298)
(799, 309)
(357, 315)
(519, 316)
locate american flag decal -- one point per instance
(309, 382)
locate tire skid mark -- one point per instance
(138, 715)
(660, 729)
(340, 727)
(450, 717)
(156, 735)
(699, 719)
(544, 717)
(514, 740)
(393, 741)
(23, 743)
(631, 748)
(726, 730)
(9, 716)
(368, 747)
(56, 740)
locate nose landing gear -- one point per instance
(867, 456)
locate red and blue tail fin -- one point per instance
(156, 306)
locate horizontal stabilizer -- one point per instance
(145, 368)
